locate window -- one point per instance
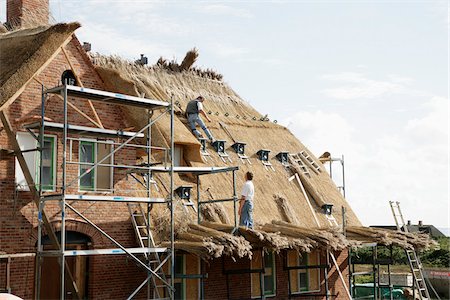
(99, 179)
(185, 288)
(48, 179)
(269, 275)
(178, 156)
(304, 280)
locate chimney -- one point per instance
(420, 223)
(27, 13)
(408, 223)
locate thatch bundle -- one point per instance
(234, 246)
(390, 237)
(271, 241)
(214, 212)
(206, 250)
(189, 59)
(161, 220)
(329, 238)
(285, 209)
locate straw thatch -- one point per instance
(24, 52)
(388, 237)
(243, 123)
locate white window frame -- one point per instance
(36, 160)
(96, 142)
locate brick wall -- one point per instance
(110, 277)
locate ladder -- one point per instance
(316, 168)
(296, 158)
(414, 261)
(189, 203)
(139, 220)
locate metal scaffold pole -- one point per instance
(63, 200)
(172, 207)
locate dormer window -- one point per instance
(219, 146)
(327, 209)
(283, 158)
(239, 148)
(203, 151)
(263, 156)
(184, 192)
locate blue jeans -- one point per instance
(194, 119)
(247, 215)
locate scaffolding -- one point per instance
(63, 193)
(67, 184)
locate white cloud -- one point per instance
(228, 51)
(352, 85)
(221, 9)
(106, 40)
(407, 164)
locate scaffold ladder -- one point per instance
(414, 261)
(144, 236)
(310, 161)
(296, 158)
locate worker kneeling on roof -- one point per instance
(193, 109)
(246, 202)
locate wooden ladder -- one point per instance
(296, 158)
(414, 261)
(309, 160)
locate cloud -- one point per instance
(243, 55)
(106, 40)
(221, 9)
(228, 51)
(352, 85)
(408, 163)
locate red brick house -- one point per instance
(289, 254)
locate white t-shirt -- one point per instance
(248, 190)
(199, 106)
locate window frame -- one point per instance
(266, 293)
(94, 171)
(307, 271)
(34, 162)
(95, 144)
(52, 188)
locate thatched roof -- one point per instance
(24, 52)
(244, 124)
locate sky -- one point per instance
(368, 80)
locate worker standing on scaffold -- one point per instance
(193, 109)
(246, 202)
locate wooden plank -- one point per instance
(35, 195)
(340, 275)
(81, 84)
(19, 91)
(307, 198)
(225, 128)
(73, 106)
